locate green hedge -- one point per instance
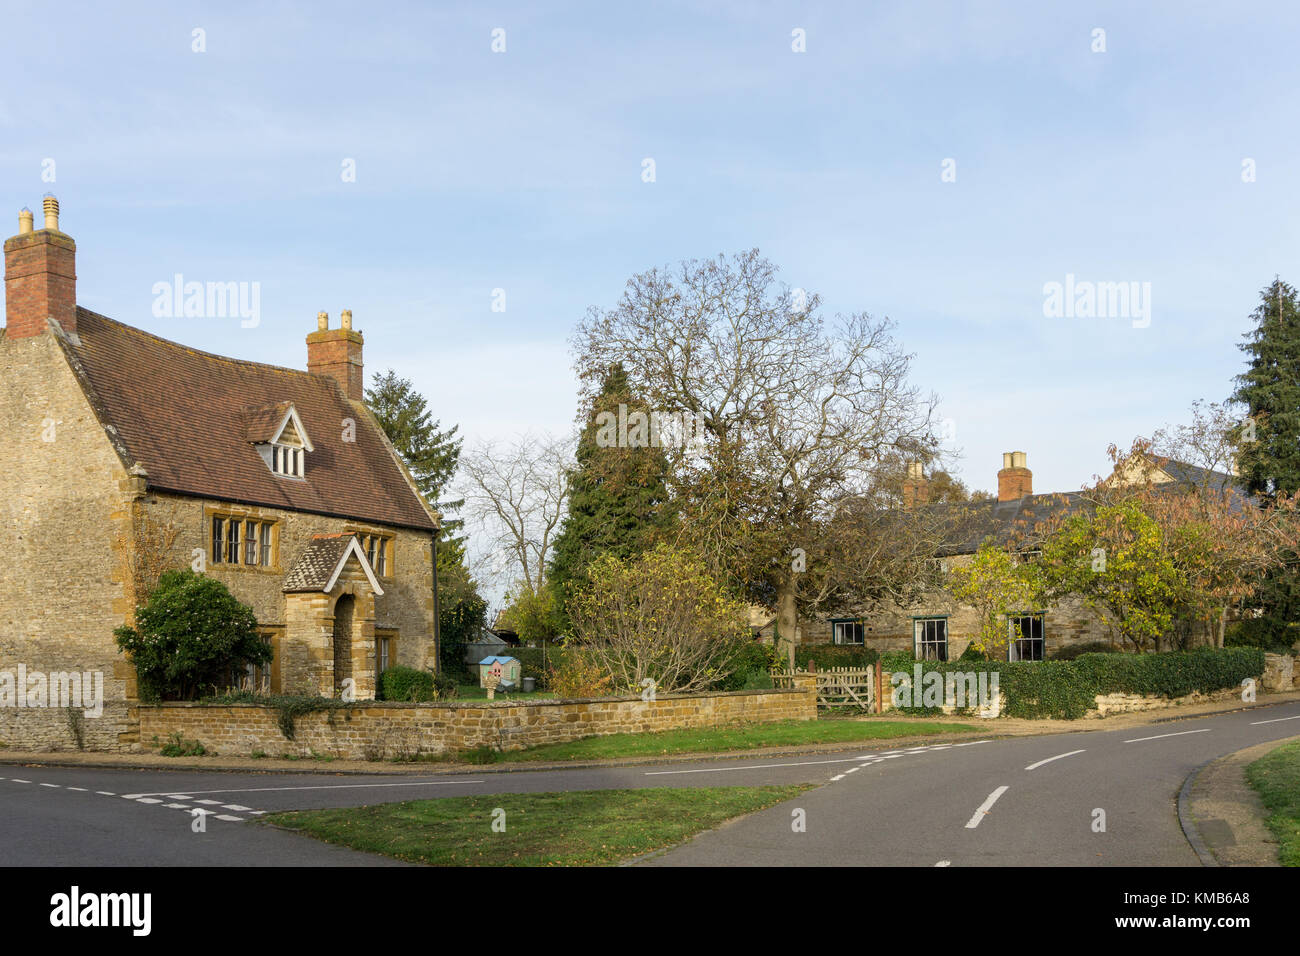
(834, 655)
(1068, 689)
(407, 684)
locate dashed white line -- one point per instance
(226, 816)
(1256, 723)
(840, 777)
(16, 780)
(944, 863)
(806, 763)
(333, 786)
(54, 785)
(106, 793)
(78, 789)
(985, 807)
(1033, 766)
(1181, 733)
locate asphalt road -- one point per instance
(1017, 801)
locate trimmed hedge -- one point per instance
(407, 684)
(834, 655)
(1068, 689)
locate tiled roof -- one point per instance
(187, 415)
(316, 563)
(262, 421)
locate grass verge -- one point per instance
(724, 739)
(1277, 778)
(580, 828)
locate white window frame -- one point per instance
(1014, 635)
(922, 624)
(838, 629)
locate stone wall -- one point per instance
(1108, 704)
(384, 730)
(66, 509)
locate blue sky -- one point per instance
(522, 171)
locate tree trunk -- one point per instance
(787, 620)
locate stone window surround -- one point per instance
(243, 515)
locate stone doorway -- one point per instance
(344, 611)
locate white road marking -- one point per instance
(16, 780)
(853, 769)
(840, 777)
(78, 789)
(1032, 766)
(806, 763)
(226, 816)
(985, 807)
(1256, 723)
(54, 785)
(177, 806)
(1181, 733)
(209, 802)
(148, 800)
(944, 863)
(235, 806)
(106, 793)
(971, 743)
(337, 786)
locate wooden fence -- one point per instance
(853, 687)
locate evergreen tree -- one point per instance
(619, 503)
(431, 454)
(1269, 443)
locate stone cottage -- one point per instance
(125, 454)
(939, 628)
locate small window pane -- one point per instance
(266, 545)
(218, 540)
(232, 554)
(250, 543)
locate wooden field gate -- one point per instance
(838, 687)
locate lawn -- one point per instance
(723, 739)
(1277, 778)
(583, 828)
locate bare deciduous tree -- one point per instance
(799, 414)
(516, 494)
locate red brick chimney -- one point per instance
(1015, 480)
(40, 276)
(916, 487)
(337, 353)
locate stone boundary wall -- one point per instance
(56, 729)
(379, 730)
(1108, 704)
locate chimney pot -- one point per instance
(1015, 480)
(51, 212)
(322, 321)
(40, 276)
(347, 318)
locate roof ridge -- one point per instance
(212, 355)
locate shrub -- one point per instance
(1068, 689)
(580, 675)
(407, 684)
(973, 653)
(538, 662)
(1261, 633)
(1072, 651)
(660, 616)
(834, 655)
(750, 668)
(190, 637)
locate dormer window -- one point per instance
(278, 434)
(287, 460)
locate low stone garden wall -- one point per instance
(381, 730)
